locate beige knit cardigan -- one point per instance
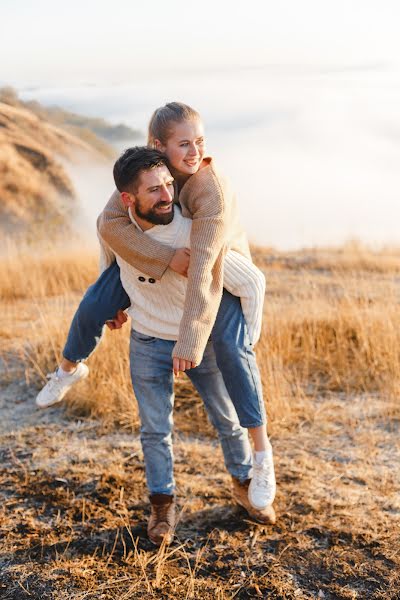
(207, 198)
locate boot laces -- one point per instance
(161, 512)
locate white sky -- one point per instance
(103, 41)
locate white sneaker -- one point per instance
(262, 486)
(56, 388)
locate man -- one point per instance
(146, 188)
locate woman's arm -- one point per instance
(125, 239)
(205, 202)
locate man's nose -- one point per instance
(166, 194)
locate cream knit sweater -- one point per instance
(208, 199)
(157, 305)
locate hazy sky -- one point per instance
(99, 41)
(309, 134)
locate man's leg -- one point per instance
(208, 381)
(235, 444)
(152, 381)
(100, 303)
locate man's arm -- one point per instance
(134, 246)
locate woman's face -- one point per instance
(185, 146)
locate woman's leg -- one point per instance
(237, 363)
(101, 303)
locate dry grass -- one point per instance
(323, 332)
(351, 257)
(29, 271)
(74, 507)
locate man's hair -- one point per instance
(163, 119)
(132, 162)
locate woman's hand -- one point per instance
(180, 261)
(180, 364)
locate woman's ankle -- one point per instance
(67, 365)
(260, 439)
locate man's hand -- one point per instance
(117, 322)
(180, 364)
(180, 261)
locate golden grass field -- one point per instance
(74, 503)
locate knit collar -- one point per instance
(132, 218)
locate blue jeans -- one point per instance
(101, 302)
(234, 353)
(152, 380)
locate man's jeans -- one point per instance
(152, 380)
(234, 353)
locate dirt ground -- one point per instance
(74, 508)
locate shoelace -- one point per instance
(161, 511)
(52, 375)
(261, 475)
(53, 379)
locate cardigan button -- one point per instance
(151, 280)
(141, 278)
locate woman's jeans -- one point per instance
(234, 354)
(153, 382)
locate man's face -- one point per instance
(153, 199)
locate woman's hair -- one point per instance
(163, 117)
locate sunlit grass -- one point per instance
(324, 330)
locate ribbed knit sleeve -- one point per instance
(202, 197)
(135, 247)
(243, 279)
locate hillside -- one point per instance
(35, 189)
(94, 130)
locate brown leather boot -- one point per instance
(240, 494)
(161, 523)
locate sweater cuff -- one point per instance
(191, 353)
(159, 267)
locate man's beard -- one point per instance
(151, 216)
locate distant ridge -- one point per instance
(89, 129)
(36, 192)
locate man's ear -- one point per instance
(127, 199)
